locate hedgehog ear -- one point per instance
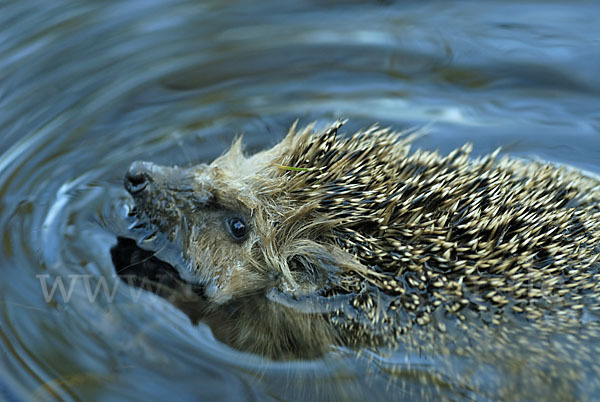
(306, 271)
(321, 264)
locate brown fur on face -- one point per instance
(360, 242)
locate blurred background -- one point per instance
(86, 87)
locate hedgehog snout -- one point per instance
(137, 177)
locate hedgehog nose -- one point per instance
(137, 177)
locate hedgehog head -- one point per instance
(264, 230)
(237, 227)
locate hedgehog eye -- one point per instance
(238, 229)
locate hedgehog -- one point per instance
(329, 241)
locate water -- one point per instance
(88, 87)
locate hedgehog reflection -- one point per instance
(324, 241)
